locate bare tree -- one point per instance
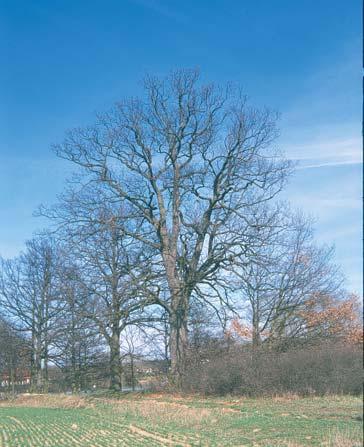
(191, 162)
(29, 296)
(287, 270)
(133, 348)
(77, 343)
(113, 271)
(14, 356)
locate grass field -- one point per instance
(166, 420)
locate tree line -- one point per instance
(171, 217)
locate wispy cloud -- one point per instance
(328, 164)
(323, 153)
(325, 147)
(322, 125)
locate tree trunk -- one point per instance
(132, 372)
(45, 369)
(256, 338)
(38, 365)
(178, 343)
(73, 368)
(178, 320)
(12, 378)
(115, 364)
(33, 370)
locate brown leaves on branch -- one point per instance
(331, 317)
(321, 316)
(243, 331)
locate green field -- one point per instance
(163, 420)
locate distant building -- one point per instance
(21, 377)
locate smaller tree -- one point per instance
(77, 342)
(14, 356)
(114, 273)
(285, 270)
(29, 297)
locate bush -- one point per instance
(318, 370)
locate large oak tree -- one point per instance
(192, 162)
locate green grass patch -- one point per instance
(162, 420)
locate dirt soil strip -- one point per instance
(147, 434)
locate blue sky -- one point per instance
(64, 60)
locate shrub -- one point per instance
(323, 369)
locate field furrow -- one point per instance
(327, 422)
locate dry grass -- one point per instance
(48, 401)
(286, 397)
(155, 412)
(336, 439)
(342, 439)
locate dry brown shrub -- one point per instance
(325, 368)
